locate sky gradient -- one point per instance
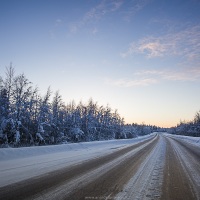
(141, 57)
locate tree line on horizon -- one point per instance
(191, 128)
(27, 118)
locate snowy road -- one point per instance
(159, 166)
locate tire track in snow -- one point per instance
(98, 183)
(147, 181)
(176, 184)
(189, 157)
(73, 176)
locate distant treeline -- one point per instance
(27, 118)
(191, 128)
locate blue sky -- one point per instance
(139, 56)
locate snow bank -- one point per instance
(16, 153)
(192, 140)
(22, 163)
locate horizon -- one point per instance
(140, 57)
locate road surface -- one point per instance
(162, 167)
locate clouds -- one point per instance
(134, 7)
(131, 82)
(149, 77)
(151, 47)
(184, 43)
(187, 74)
(127, 9)
(96, 13)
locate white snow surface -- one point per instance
(189, 139)
(17, 164)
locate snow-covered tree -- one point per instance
(57, 122)
(197, 118)
(27, 118)
(44, 117)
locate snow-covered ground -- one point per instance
(18, 164)
(192, 140)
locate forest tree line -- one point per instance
(27, 118)
(191, 128)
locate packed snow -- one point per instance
(189, 139)
(147, 182)
(88, 177)
(18, 164)
(189, 164)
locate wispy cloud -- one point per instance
(150, 47)
(131, 83)
(105, 7)
(187, 74)
(96, 13)
(116, 5)
(148, 77)
(192, 74)
(134, 7)
(185, 43)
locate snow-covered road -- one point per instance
(17, 164)
(157, 166)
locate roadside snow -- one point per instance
(17, 164)
(189, 139)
